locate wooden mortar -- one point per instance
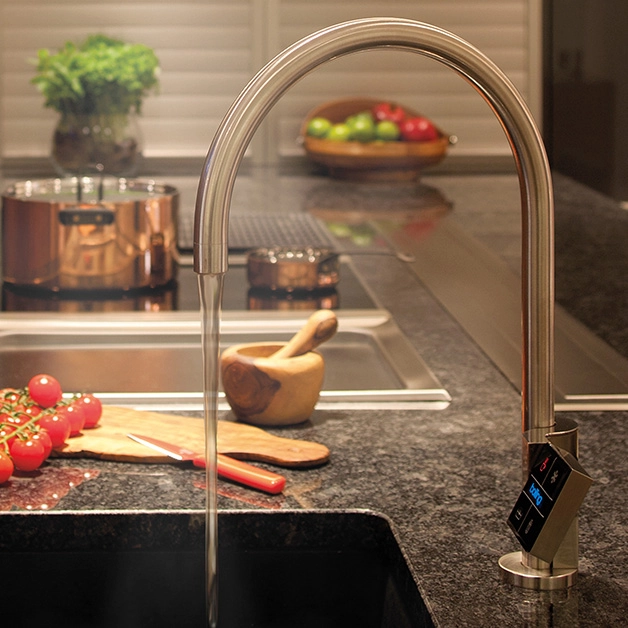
(270, 383)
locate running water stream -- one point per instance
(210, 292)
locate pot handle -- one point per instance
(99, 216)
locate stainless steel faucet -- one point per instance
(265, 89)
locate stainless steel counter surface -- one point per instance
(447, 479)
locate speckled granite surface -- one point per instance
(447, 479)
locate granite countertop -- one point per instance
(448, 478)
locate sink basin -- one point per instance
(289, 568)
(154, 359)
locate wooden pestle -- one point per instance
(321, 326)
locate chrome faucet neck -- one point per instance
(265, 89)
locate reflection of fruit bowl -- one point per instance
(370, 161)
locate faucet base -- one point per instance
(514, 572)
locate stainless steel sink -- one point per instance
(306, 569)
(154, 359)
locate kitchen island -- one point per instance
(446, 478)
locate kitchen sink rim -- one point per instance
(418, 387)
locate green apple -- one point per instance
(362, 127)
(387, 130)
(318, 127)
(339, 132)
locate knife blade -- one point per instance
(227, 467)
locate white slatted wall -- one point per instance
(205, 48)
(210, 48)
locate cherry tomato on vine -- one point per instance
(6, 467)
(5, 430)
(27, 455)
(92, 408)
(9, 395)
(44, 390)
(32, 410)
(57, 426)
(18, 418)
(44, 438)
(75, 415)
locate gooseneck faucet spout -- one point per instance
(265, 89)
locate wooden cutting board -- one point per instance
(109, 441)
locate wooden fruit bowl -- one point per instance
(369, 161)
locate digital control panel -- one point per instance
(549, 501)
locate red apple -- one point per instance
(388, 111)
(418, 129)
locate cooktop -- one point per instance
(246, 231)
(181, 294)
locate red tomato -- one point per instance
(389, 111)
(44, 390)
(418, 129)
(6, 467)
(32, 410)
(27, 455)
(10, 395)
(5, 430)
(18, 419)
(75, 415)
(57, 426)
(44, 438)
(92, 408)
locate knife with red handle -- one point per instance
(227, 467)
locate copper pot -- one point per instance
(290, 268)
(89, 233)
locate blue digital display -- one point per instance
(551, 472)
(535, 493)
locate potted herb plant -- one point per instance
(98, 88)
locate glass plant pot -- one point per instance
(109, 144)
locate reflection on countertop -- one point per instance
(591, 229)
